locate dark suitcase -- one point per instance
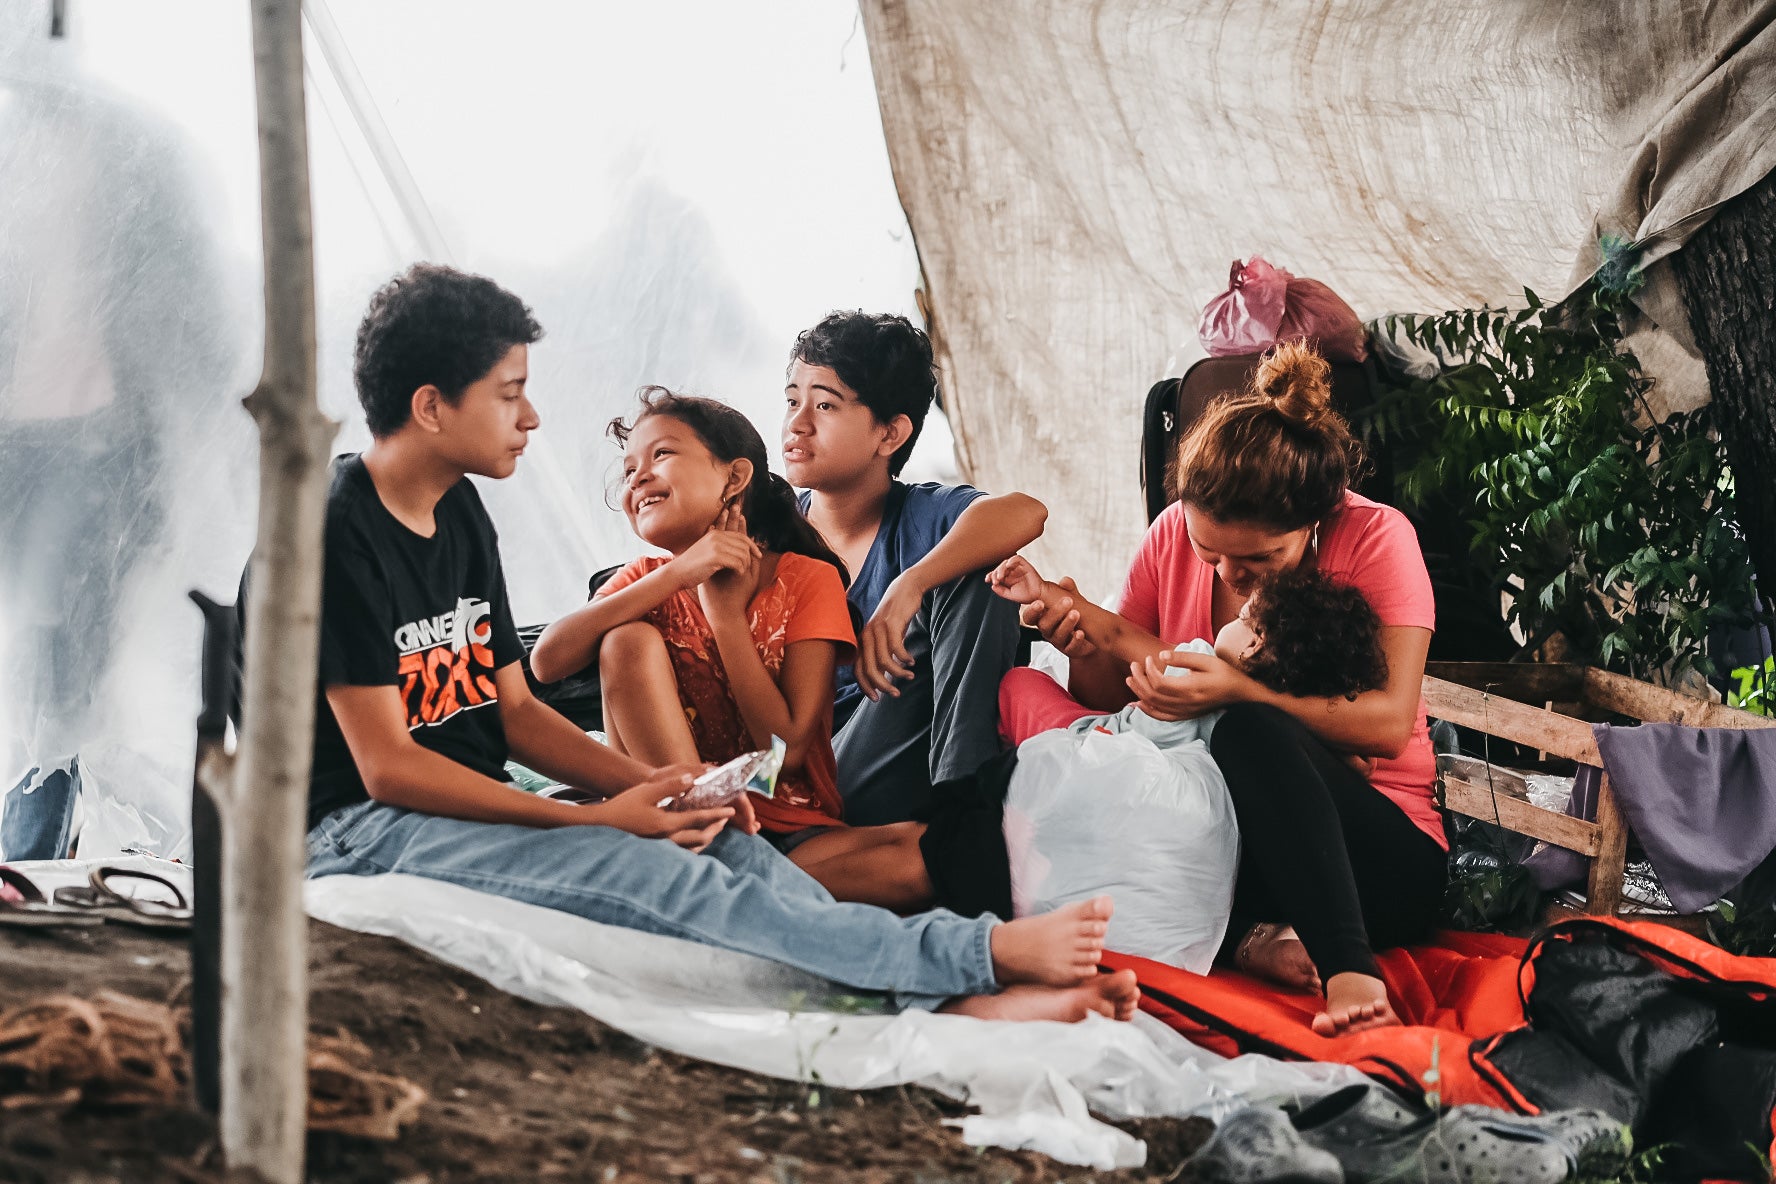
(578, 696)
(1174, 404)
(1471, 626)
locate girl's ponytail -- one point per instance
(774, 519)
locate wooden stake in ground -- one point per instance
(264, 943)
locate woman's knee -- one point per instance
(1251, 727)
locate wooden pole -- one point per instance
(264, 937)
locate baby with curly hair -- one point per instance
(1300, 633)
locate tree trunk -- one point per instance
(264, 941)
(1727, 272)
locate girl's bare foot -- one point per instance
(1274, 953)
(1058, 949)
(1114, 996)
(1354, 1002)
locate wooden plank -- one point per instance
(1527, 682)
(1475, 800)
(1506, 718)
(1652, 704)
(1603, 889)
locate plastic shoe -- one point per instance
(1261, 1146)
(1598, 1145)
(1359, 1115)
(1376, 1136)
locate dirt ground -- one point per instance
(519, 1092)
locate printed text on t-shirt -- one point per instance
(447, 663)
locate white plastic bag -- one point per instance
(1101, 813)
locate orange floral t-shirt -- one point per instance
(804, 602)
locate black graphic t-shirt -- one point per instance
(428, 616)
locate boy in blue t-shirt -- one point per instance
(921, 704)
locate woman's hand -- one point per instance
(882, 655)
(638, 811)
(1058, 622)
(724, 547)
(1209, 684)
(1016, 580)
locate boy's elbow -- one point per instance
(384, 787)
(1032, 516)
(387, 775)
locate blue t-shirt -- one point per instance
(915, 519)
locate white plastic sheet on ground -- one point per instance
(1032, 1082)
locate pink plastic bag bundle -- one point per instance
(1264, 305)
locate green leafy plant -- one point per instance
(1598, 522)
(1751, 932)
(1753, 688)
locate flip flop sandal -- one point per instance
(104, 902)
(32, 911)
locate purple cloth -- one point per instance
(1702, 802)
(1552, 867)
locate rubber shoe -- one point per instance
(1375, 1136)
(1598, 1145)
(1261, 1146)
(1358, 1116)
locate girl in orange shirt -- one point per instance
(731, 638)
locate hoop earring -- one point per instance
(1313, 543)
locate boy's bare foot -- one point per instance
(1274, 953)
(1354, 1002)
(1114, 996)
(1058, 949)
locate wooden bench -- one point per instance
(1516, 701)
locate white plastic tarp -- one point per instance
(1078, 177)
(676, 188)
(1032, 1082)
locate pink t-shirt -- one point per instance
(1371, 547)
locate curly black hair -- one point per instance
(885, 358)
(437, 326)
(1317, 638)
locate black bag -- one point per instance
(1174, 404)
(1471, 624)
(579, 696)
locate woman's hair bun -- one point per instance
(1297, 380)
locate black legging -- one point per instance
(1321, 848)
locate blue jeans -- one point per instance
(944, 724)
(739, 894)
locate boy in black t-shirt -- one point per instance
(422, 699)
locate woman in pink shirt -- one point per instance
(1342, 843)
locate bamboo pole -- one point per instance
(264, 938)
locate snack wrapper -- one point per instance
(723, 785)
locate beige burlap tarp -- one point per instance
(1078, 177)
